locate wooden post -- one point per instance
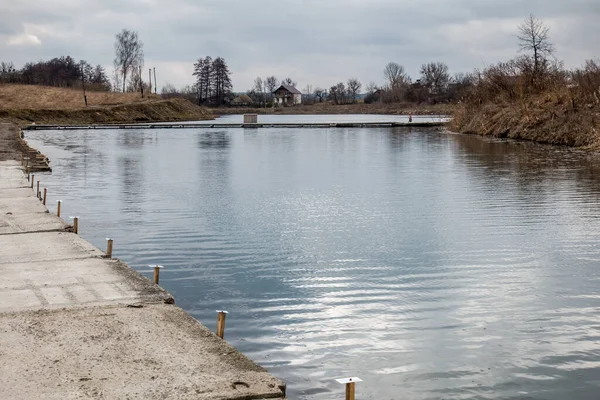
(350, 386)
(32, 180)
(75, 224)
(157, 269)
(45, 193)
(28, 174)
(21, 159)
(221, 323)
(58, 208)
(38, 189)
(109, 247)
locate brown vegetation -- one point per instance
(534, 98)
(25, 104)
(511, 100)
(19, 97)
(358, 108)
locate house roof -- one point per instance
(289, 88)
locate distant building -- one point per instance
(242, 101)
(287, 95)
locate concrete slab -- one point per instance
(21, 205)
(34, 222)
(9, 193)
(74, 283)
(12, 176)
(11, 169)
(156, 352)
(50, 246)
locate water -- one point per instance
(433, 266)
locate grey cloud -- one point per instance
(314, 41)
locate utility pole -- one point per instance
(150, 79)
(141, 82)
(83, 85)
(155, 92)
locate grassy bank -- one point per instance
(555, 107)
(24, 104)
(359, 108)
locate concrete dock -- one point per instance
(77, 325)
(417, 124)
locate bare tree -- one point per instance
(338, 93)
(396, 75)
(371, 88)
(533, 38)
(289, 82)
(168, 90)
(334, 95)
(129, 53)
(258, 88)
(354, 86)
(271, 84)
(435, 75)
(320, 94)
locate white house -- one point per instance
(287, 95)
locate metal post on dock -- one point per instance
(109, 247)
(45, 193)
(157, 269)
(58, 207)
(221, 323)
(75, 224)
(350, 386)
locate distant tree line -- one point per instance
(213, 81)
(59, 72)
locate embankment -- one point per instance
(543, 118)
(26, 104)
(151, 111)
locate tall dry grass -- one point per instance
(30, 97)
(550, 105)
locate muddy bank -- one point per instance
(539, 119)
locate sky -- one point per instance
(315, 42)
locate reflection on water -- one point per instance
(430, 265)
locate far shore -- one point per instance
(328, 108)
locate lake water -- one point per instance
(431, 265)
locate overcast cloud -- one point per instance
(316, 42)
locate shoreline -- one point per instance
(77, 322)
(330, 109)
